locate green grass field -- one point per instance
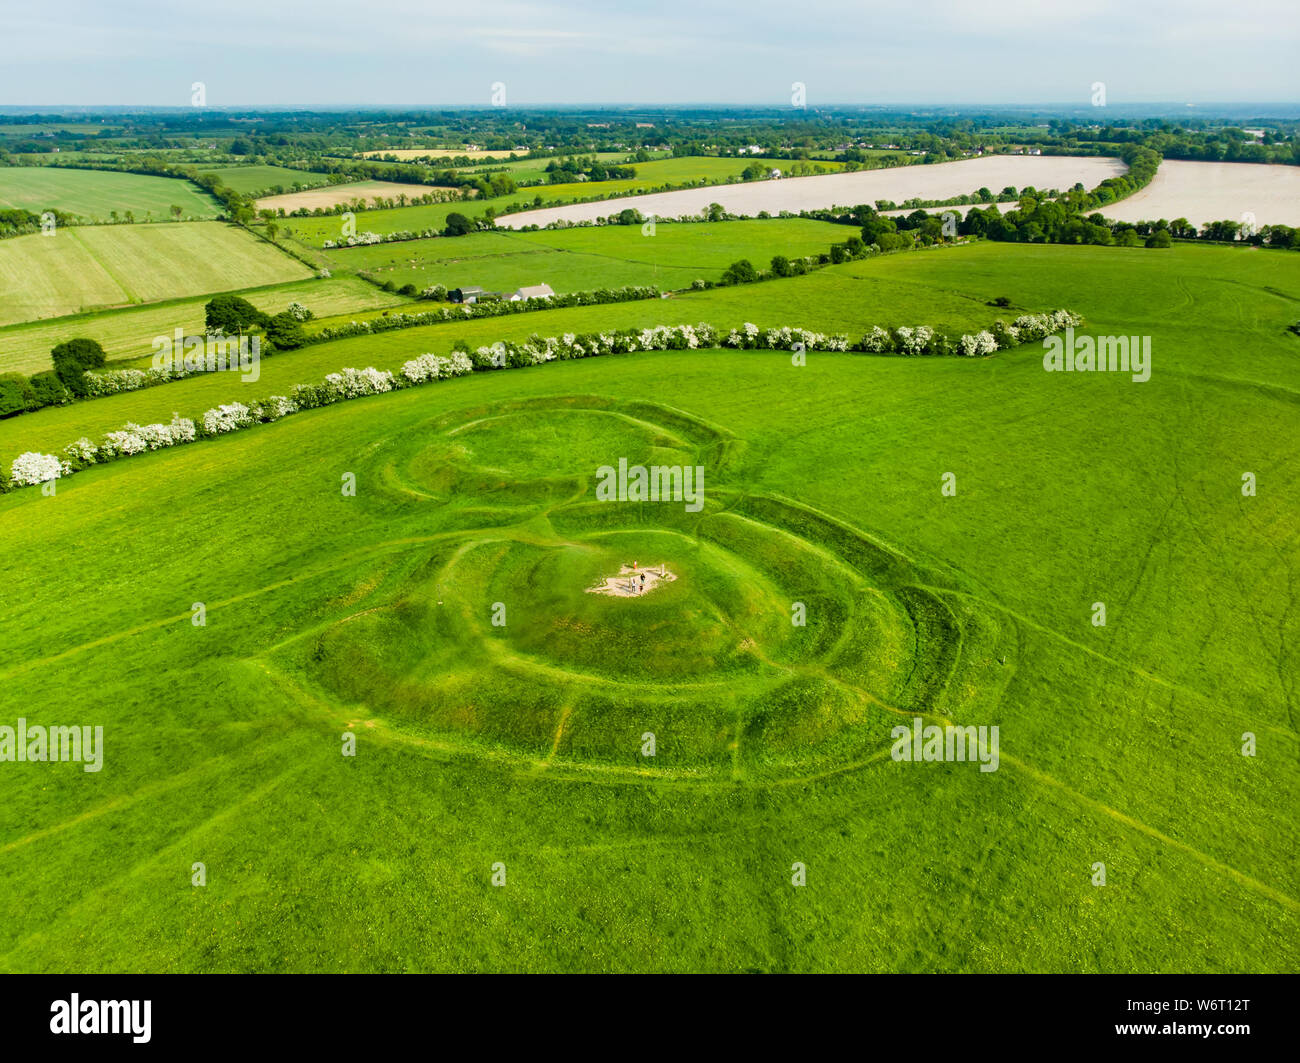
(521, 743)
(535, 169)
(25, 129)
(695, 169)
(256, 179)
(84, 268)
(947, 288)
(127, 335)
(848, 298)
(585, 259)
(314, 231)
(94, 195)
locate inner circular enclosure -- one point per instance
(709, 620)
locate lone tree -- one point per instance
(231, 314)
(285, 331)
(71, 360)
(742, 272)
(458, 225)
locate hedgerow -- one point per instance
(34, 468)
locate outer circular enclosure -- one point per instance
(789, 642)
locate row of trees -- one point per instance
(53, 387)
(18, 222)
(74, 359)
(566, 170)
(232, 315)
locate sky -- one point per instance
(429, 53)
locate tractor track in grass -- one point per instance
(1132, 823)
(173, 849)
(545, 770)
(198, 773)
(1115, 662)
(129, 295)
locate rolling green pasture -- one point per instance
(93, 195)
(520, 744)
(696, 169)
(946, 288)
(257, 179)
(848, 298)
(84, 268)
(314, 231)
(584, 259)
(25, 129)
(127, 334)
(535, 169)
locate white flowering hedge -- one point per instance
(229, 418)
(34, 468)
(347, 384)
(484, 308)
(978, 344)
(353, 383)
(135, 439)
(115, 381)
(430, 367)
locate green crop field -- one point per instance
(26, 129)
(669, 256)
(96, 195)
(128, 334)
(849, 298)
(82, 268)
(534, 169)
(948, 288)
(256, 179)
(706, 169)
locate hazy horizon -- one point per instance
(577, 53)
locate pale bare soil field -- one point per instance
(940, 181)
(332, 195)
(436, 153)
(1215, 191)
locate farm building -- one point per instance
(532, 291)
(468, 294)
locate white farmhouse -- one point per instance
(532, 291)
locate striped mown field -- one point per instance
(95, 195)
(85, 268)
